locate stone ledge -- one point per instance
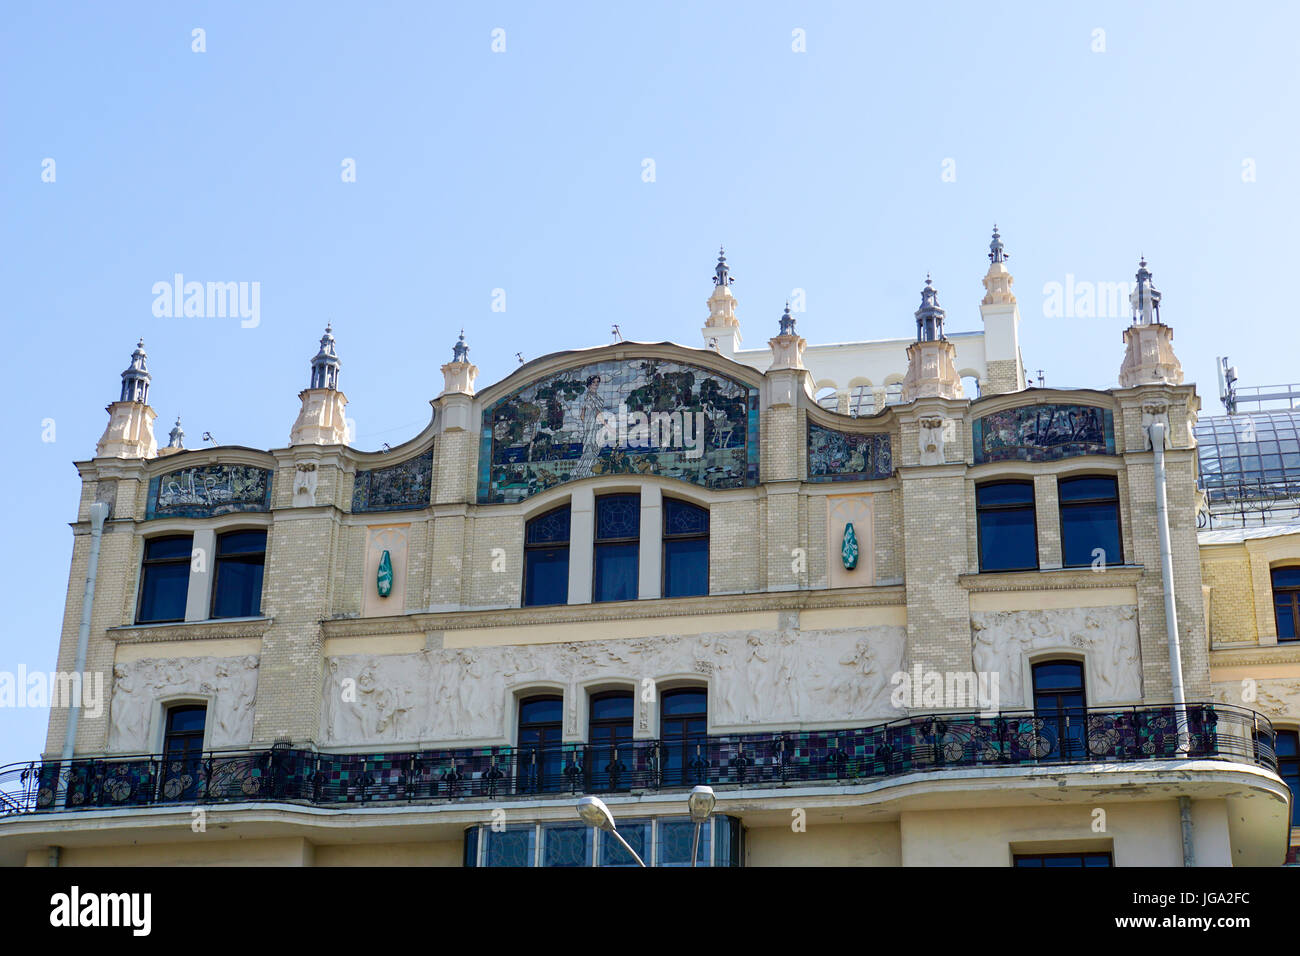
(883, 596)
(1286, 653)
(1115, 576)
(190, 631)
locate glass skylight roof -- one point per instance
(1247, 453)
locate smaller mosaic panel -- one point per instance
(1043, 433)
(843, 456)
(399, 487)
(207, 490)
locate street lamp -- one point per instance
(594, 813)
(701, 803)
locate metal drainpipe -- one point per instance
(98, 515)
(1157, 434)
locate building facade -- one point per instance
(920, 627)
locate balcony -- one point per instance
(914, 744)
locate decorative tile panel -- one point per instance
(207, 490)
(399, 487)
(1043, 433)
(842, 456)
(634, 416)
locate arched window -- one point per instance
(182, 751)
(894, 394)
(1008, 533)
(1060, 704)
(541, 722)
(546, 558)
(686, 549)
(862, 401)
(828, 398)
(618, 546)
(683, 721)
(609, 736)
(1286, 602)
(1090, 520)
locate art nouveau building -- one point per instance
(931, 630)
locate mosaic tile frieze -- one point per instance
(1043, 433)
(842, 456)
(633, 416)
(207, 490)
(399, 487)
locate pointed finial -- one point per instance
(787, 322)
(929, 317)
(721, 273)
(460, 351)
(135, 379)
(325, 366)
(176, 438)
(997, 253)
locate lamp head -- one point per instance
(701, 803)
(594, 813)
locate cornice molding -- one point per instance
(1261, 654)
(1056, 579)
(190, 631)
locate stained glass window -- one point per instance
(617, 548)
(546, 558)
(686, 549)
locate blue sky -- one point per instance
(523, 170)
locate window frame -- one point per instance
(665, 538)
(597, 541)
(1062, 505)
(979, 525)
(218, 558)
(146, 562)
(1292, 759)
(1293, 592)
(547, 546)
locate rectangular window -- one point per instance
(237, 589)
(182, 752)
(1008, 533)
(1064, 860)
(546, 558)
(686, 549)
(164, 580)
(1288, 768)
(617, 548)
(1286, 602)
(1090, 521)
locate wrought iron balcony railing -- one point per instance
(930, 743)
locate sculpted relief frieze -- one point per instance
(1277, 699)
(1106, 637)
(785, 677)
(229, 683)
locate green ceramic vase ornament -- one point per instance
(384, 579)
(849, 550)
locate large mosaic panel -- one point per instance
(636, 416)
(1043, 433)
(207, 490)
(399, 487)
(842, 456)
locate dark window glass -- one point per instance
(686, 549)
(637, 834)
(1008, 539)
(1286, 602)
(237, 591)
(164, 580)
(540, 756)
(683, 722)
(609, 735)
(1064, 860)
(1059, 708)
(546, 558)
(182, 751)
(567, 845)
(1288, 768)
(618, 545)
(676, 839)
(509, 847)
(1089, 520)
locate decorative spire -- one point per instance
(460, 351)
(721, 274)
(929, 317)
(996, 251)
(325, 366)
(135, 380)
(1145, 299)
(787, 322)
(176, 438)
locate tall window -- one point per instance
(546, 558)
(237, 590)
(618, 543)
(1288, 768)
(1286, 602)
(1090, 520)
(1008, 536)
(182, 751)
(164, 580)
(683, 720)
(609, 755)
(540, 757)
(686, 549)
(1059, 703)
